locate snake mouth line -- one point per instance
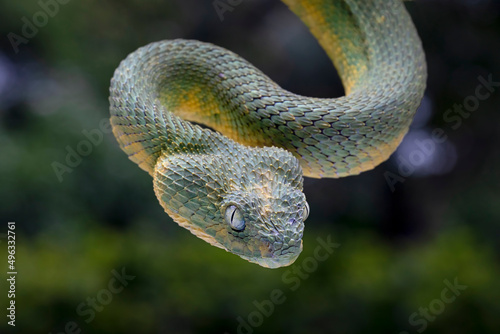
(274, 262)
(286, 257)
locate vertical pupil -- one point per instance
(232, 215)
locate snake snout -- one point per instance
(278, 258)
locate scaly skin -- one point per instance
(245, 196)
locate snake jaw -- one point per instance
(273, 262)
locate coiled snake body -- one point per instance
(240, 188)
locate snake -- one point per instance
(228, 148)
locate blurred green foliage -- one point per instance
(183, 285)
(396, 251)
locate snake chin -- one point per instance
(277, 261)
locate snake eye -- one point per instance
(305, 212)
(234, 218)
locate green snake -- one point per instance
(239, 186)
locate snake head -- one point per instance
(249, 202)
(264, 209)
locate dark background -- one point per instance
(435, 223)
